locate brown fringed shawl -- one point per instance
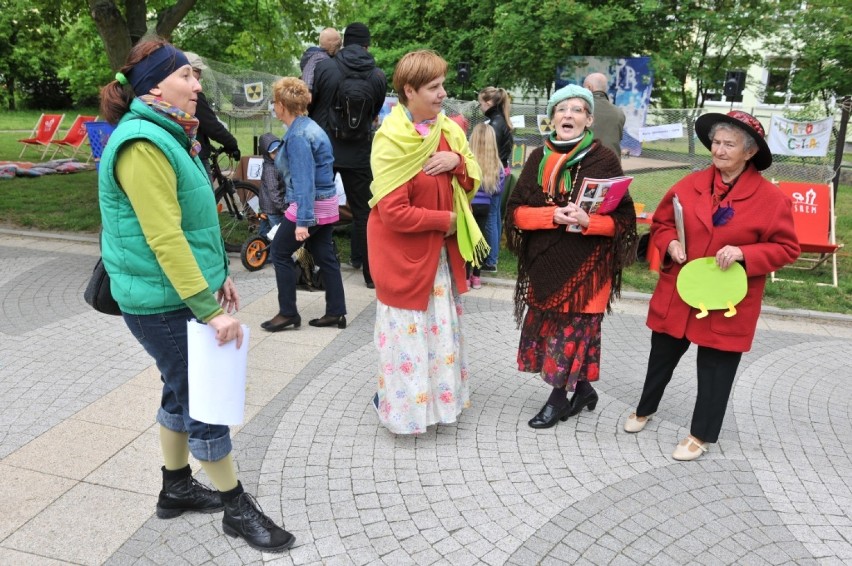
(556, 267)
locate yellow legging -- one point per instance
(175, 447)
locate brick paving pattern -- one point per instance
(776, 489)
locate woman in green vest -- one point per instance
(162, 248)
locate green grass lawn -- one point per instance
(68, 203)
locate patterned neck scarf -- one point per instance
(719, 190)
(423, 127)
(554, 171)
(187, 122)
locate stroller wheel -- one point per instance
(254, 253)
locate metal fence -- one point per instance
(659, 164)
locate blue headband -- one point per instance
(150, 71)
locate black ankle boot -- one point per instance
(181, 492)
(584, 396)
(244, 518)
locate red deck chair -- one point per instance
(74, 137)
(813, 215)
(44, 131)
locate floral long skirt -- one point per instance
(565, 348)
(423, 374)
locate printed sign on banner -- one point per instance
(663, 132)
(802, 139)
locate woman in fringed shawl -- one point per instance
(420, 233)
(566, 279)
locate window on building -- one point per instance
(779, 71)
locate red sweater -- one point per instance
(405, 234)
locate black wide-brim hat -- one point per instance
(746, 122)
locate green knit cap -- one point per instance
(570, 91)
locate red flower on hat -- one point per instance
(748, 120)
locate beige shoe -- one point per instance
(635, 424)
(689, 449)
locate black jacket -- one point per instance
(210, 128)
(505, 142)
(327, 76)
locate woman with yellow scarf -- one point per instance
(420, 233)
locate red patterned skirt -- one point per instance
(564, 347)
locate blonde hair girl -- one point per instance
(483, 143)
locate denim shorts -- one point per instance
(164, 338)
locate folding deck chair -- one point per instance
(74, 137)
(43, 133)
(813, 216)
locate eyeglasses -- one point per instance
(571, 109)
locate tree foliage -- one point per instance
(76, 45)
(818, 42)
(26, 55)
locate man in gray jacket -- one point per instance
(608, 124)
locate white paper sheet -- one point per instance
(217, 376)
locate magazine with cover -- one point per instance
(601, 196)
(678, 216)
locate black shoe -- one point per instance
(186, 494)
(329, 320)
(355, 264)
(279, 323)
(244, 518)
(578, 402)
(489, 268)
(549, 415)
(370, 285)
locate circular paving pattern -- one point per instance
(489, 490)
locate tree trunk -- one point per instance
(137, 19)
(113, 30)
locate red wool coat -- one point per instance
(405, 233)
(762, 227)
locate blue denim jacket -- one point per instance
(306, 162)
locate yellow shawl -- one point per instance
(398, 155)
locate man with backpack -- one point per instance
(347, 95)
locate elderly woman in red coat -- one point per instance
(733, 214)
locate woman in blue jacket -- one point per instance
(306, 162)
(163, 250)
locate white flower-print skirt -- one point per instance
(423, 374)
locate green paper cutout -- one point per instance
(704, 286)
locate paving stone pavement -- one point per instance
(79, 453)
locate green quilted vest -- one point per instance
(138, 283)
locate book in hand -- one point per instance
(600, 196)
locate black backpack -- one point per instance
(352, 106)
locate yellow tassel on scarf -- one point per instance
(398, 155)
(472, 244)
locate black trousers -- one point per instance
(716, 372)
(480, 214)
(356, 185)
